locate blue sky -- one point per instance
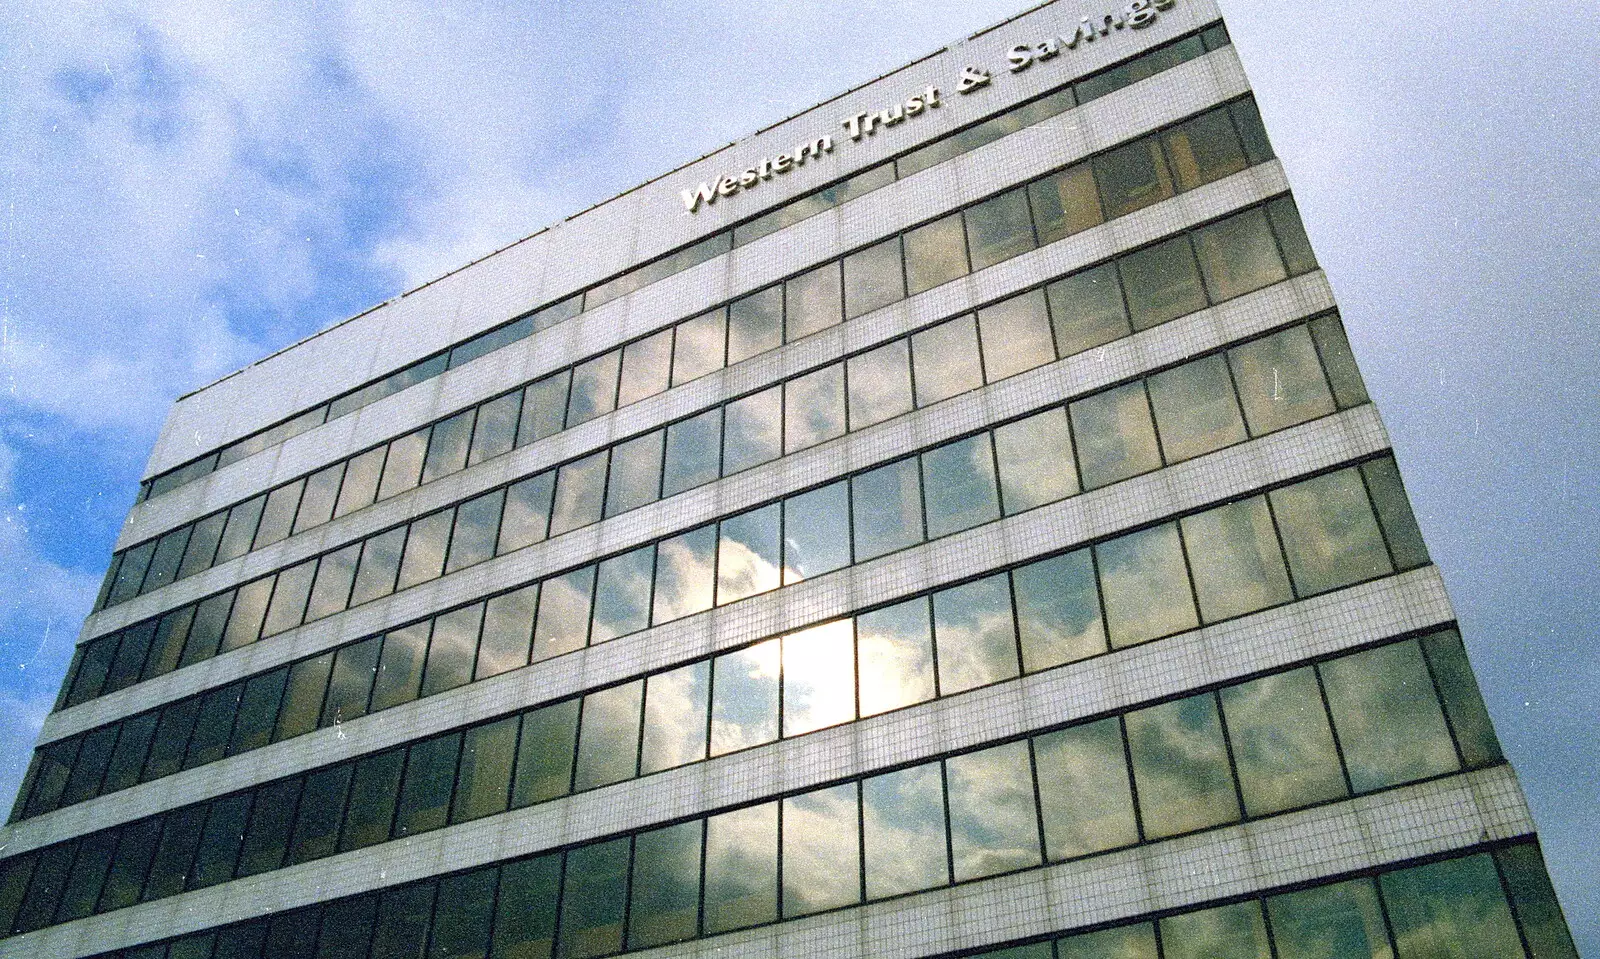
(188, 186)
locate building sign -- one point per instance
(1135, 16)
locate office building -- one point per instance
(950, 520)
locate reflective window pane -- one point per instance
(622, 595)
(999, 228)
(131, 572)
(1463, 705)
(136, 735)
(1238, 255)
(812, 302)
(1145, 586)
(1180, 767)
(608, 735)
(507, 632)
(461, 916)
(1015, 335)
(1450, 910)
(580, 492)
(887, 504)
(1065, 203)
(400, 665)
(336, 574)
(1291, 235)
(1282, 744)
(904, 830)
(945, 360)
(425, 791)
(544, 407)
(691, 458)
(1235, 560)
(219, 841)
(451, 649)
(974, 635)
(1280, 381)
(821, 850)
(1162, 282)
(1203, 149)
(744, 698)
(1195, 408)
(819, 677)
(477, 528)
(302, 698)
(880, 384)
(741, 868)
(564, 603)
(236, 537)
(646, 368)
(594, 388)
(379, 566)
(496, 431)
(675, 717)
(201, 549)
(1125, 942)
(1237, 931)
(698, 346)
(935, 253)
(1338, 361)
(664, 901)
(685, 574)
(1535, 902)
(277, 518)
(1329, 532)
(1087, 310)
(1116, 438)
(545, 754)
(1394, 513)
(896, 649)
(747, 554)
(1387, 717)
(993, 825)
(1036, 462)
(316, 825)
(484, 783)
(594, 897)
(1342, 921)
(360, 486)
(635, 473)
(426, 541)
(402, 468)
(1084, 791)
(288, 606)
(1251, 132)
(526, 517)
(813, 408)
(873, 278)
(350, 682)
(816, 532)
(525, 913)
(448, 446)
(755, 324)
(958, 479)
(1058, 611)
(1132, 177)
(169, 553)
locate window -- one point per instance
(873, 278)
(1015, 335)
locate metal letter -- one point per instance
(706, 194)
(971, 79)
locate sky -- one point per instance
(187, 186)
